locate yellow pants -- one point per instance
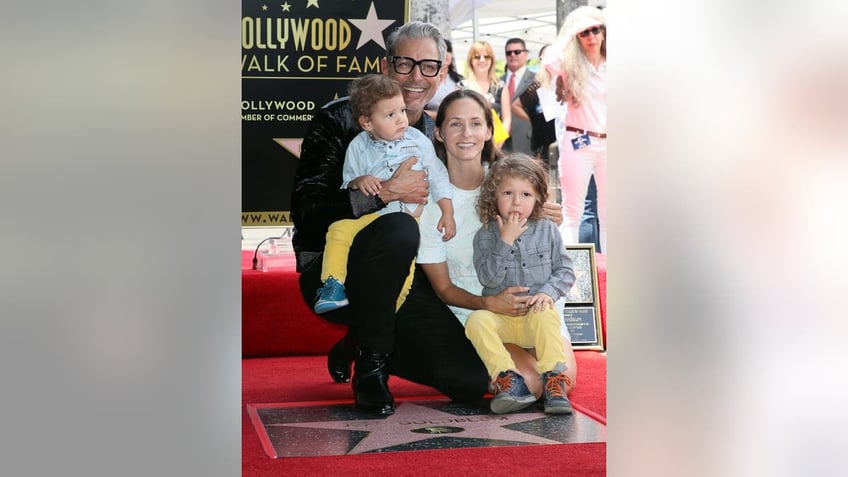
(489, 331)
(340, 237)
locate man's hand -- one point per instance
(406, 185)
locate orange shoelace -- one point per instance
(502, 384)
(555, 385)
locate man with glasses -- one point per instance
(517, 78)
(379, 258)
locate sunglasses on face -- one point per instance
(594, 30)
(481, 57)
(514, 52)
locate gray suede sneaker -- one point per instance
(511, 393)
(556, 402)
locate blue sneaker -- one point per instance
(330, 297)
(556, 402)
(511, 393)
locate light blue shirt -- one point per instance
(367, 156)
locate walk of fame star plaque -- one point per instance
(301, 429)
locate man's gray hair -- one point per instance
(416, 30)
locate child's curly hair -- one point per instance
(366, 90)
(514, 165)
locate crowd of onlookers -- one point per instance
(556, 112)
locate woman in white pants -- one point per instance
(577, 62)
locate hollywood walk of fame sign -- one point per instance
(297, 55)
(296, 430)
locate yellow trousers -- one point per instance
(340, 237)
(489, 331)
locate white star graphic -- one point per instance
(397, 429)
(371, 27)
(312, 3)
(264, 7)
(286, 6)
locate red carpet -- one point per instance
(273, 312)
(284, 346)
(298, 379)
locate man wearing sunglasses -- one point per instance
(517, 78)
(379, 258)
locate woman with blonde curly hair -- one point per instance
(577, 64)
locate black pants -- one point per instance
(377, 266)
(431, 347)
(425, 341)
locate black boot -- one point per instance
(340, 358)
(371, 383)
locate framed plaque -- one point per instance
(580, 308)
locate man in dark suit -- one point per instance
(516, 79)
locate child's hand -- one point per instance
(540, 302)
(369, 185)
(511, 228)
(447, 226)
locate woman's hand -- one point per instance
(508, 302)
(553, 212)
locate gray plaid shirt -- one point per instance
(537, 260)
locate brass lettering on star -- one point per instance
(438, 430)
(453, 420)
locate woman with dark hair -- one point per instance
(446, 288)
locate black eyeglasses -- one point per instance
(594, 30)
(481, 57)
(404, 64)
(514, 52)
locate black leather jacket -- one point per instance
(317, 200)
